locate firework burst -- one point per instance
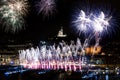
(12, 15)
(92, 23)
(82, 22)
(100, 22)
(46, 7)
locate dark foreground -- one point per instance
(19, 73)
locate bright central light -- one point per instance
(18, 5)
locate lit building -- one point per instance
(91, 50)
(9, 53)
(60, 33)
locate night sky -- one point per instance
(38, 28)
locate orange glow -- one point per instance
(88, 50)
(91, 50)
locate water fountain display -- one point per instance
(57, 56)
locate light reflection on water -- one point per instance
(107, 77)
(65, 75)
